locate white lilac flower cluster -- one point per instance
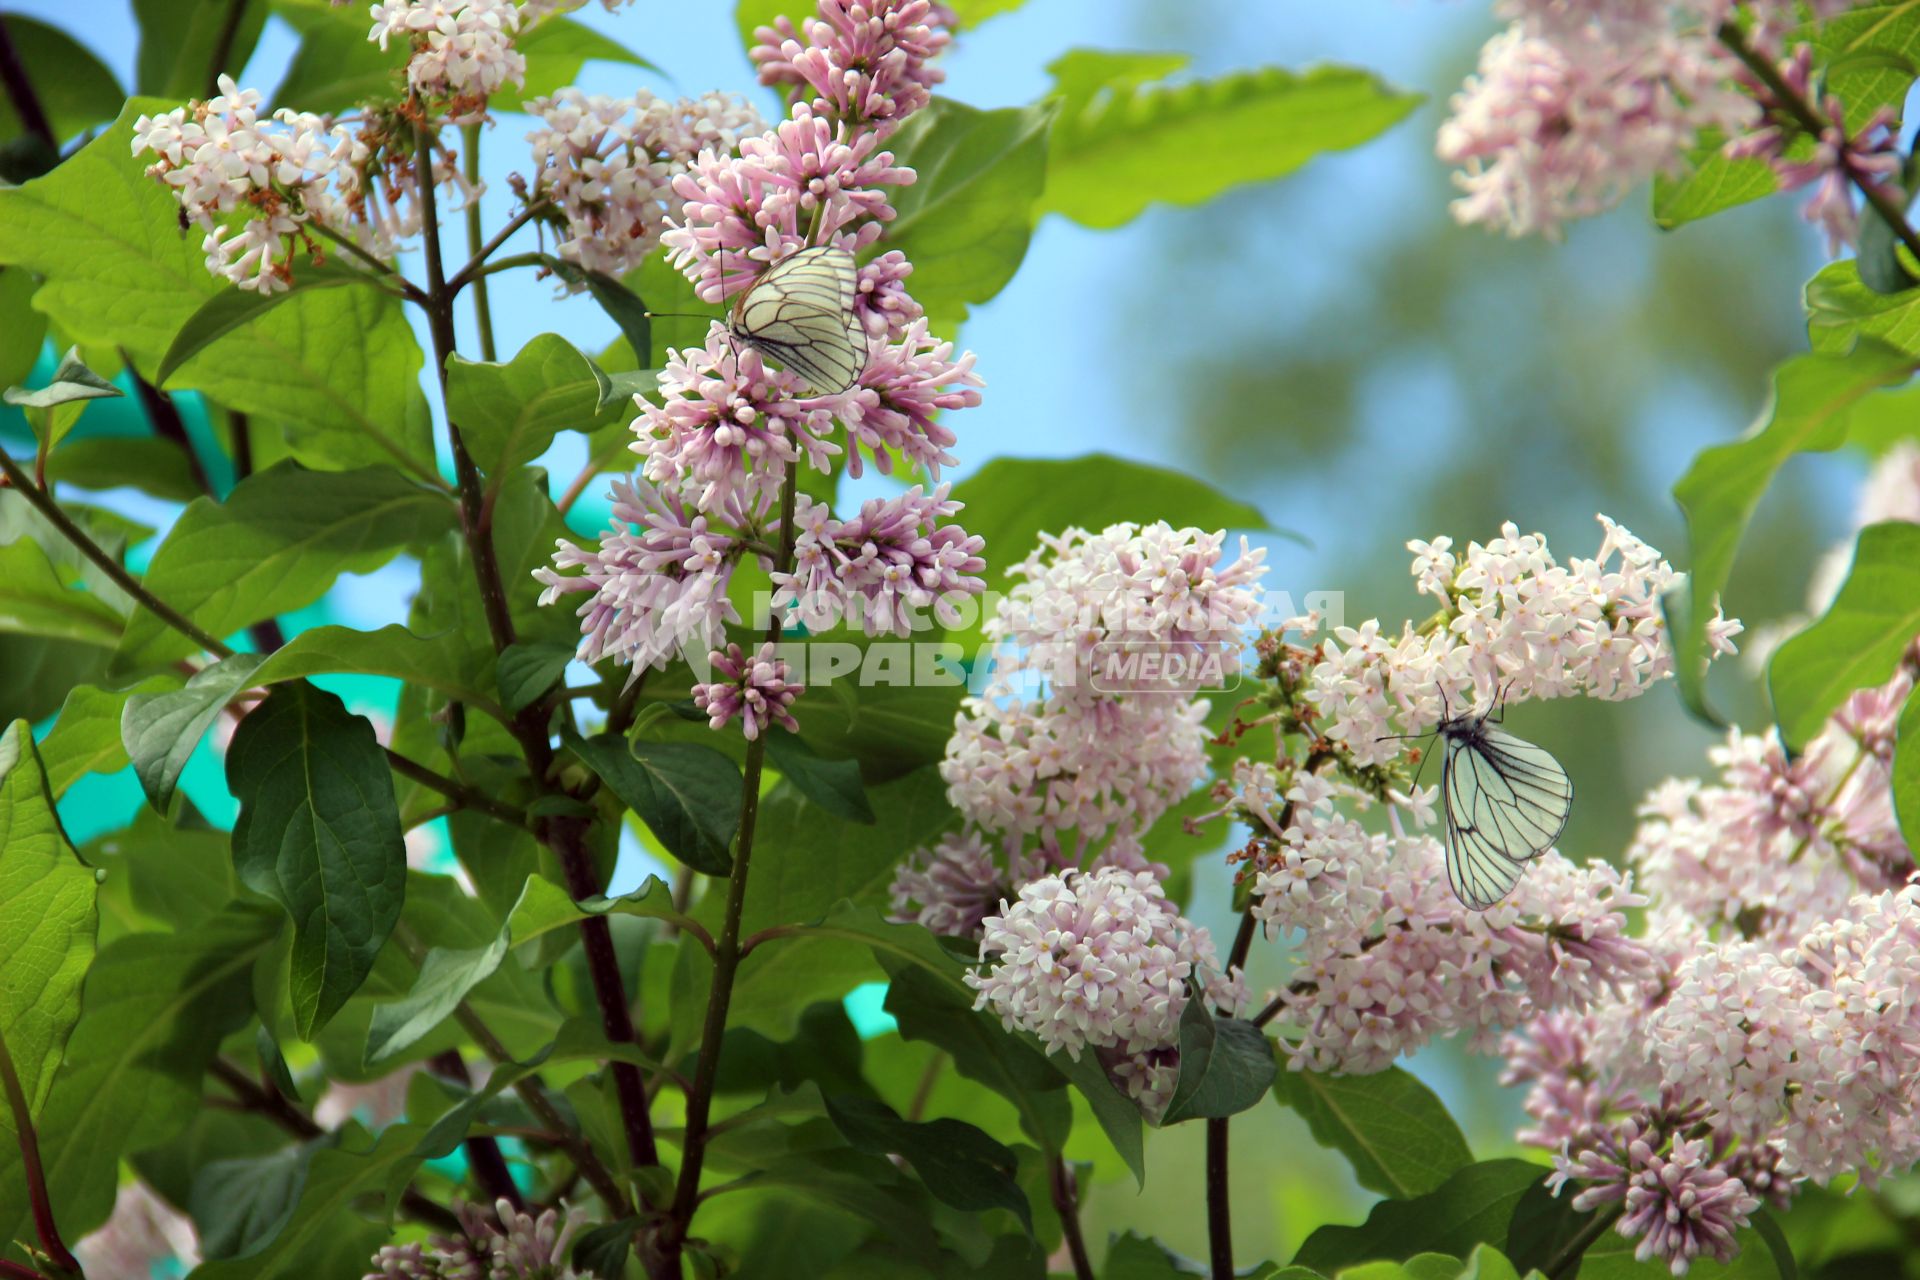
(1101, 960)
(1514, 624)
(1577, 102)
(608, 165)
(462, 49)
(251, 185)
(725, 432)
(510, 1245)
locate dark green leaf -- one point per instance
(160, 730)
(75, 89)
(687, 794)
(960, 1164)
(318, 833)
(622, 305)
(235, 307)
(273, 1064)
(239, 1206)
(185, 44)
(965, 221)
(1117, 1114)
(1395, 1132)
(1813, 397)
(834, 785)
(47, 925)
(434, 663)
(525, 672)
(556, 49)
(1858, 642)
(1878, 255)
(147, 463)
(1226, 1066)
(86, 737)
(39, 602)
(509, 413)
(446, 976)
(1472, 1207)
(603, 1250)
(1120, 142)
(275, 545)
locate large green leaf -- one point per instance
(1226, 1066)
(1872, 53)
(1390, 1127)
(1121, 143)
(1841, 310)
(22, 329)
(318, 832)
(160, 730)
(509, 413)
(446, 976)
(47, 926)
(1472, 1207)
(239, 1205)
(185, 44)
(75, 89)
(1011, 501)
(1713, 181)
(435, 662)
(86, 736)
(233, 307)
(960, 1163)
(277, 544)
(1858, 641)
(37, 601)
(556, 49)
(965, 221)
(153, 1010)
(1813, 399)
(687, 793)
(336, 67)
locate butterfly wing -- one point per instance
(1507, 801)
(800, 313)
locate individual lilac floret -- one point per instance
(884, 566)
(1099, 960)
(866, 60)
(651, 592)
(509, 1246)
(755, 690)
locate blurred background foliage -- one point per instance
(1331, 348)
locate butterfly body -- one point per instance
(800, 314)
(1506, 803)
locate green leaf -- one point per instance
(160, 730)
(1712, 182)
(1010, 501)
(234, 307)
(1858, 642)
(1878, 255)
(1905, 782)
(960, 1164)
(687, 794)
(435, 662)
(965, 221)
(38, 602)
(1841, 311)
(525, 672)
(153, 1009)
(1813, 398)
(544, 906)
(72, 385)
(509, 413)
(834, 785)
(1869, 54)
(622, 305)
(446, 976)
(336, 67)
(556, 49)
(275, 545)
(1117, 1114)
(75, 89)
(318, 833)
(1226, 1066)
(86, 737)
(47, 924)
(22, 329)
(181, 41)
(603, 1250)
(154, 466)
(1120, 143)
(239, 1206)
(1471, 1207)
(1390, 1127)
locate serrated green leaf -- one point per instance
(1226, 1066)
(966, 220)
(1390, 1127)
(277, 544)
(686, 793)
(1120, 143)
(1810, 411)
(160, 730)
(1858, 642)
(509, 413)
(319, 833)
(47, 925)
(1472, 1207)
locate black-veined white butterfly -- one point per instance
(1506, 802)
(801, 314)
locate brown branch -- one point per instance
(44, 1225)
(1066, 1203)
(223, 42)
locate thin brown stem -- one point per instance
(461, 794)
(408, 289)
(1809, 120)
(1066, 1202)
(578, 487)
(478, 261)
(1219, 1213)
(223, 42)
(923, 1092)
(18, 1271)
(43, 1224)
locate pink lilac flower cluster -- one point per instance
(723, 436)
(1101, 960)
(756, 691)
(510, 1245)
(863, 60)
(1514, 623)
(462, 49)
(608, 164)
(1074, 747)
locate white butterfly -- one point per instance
(801, 314)
(1506, 802)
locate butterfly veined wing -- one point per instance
(1506, 802)
(800, 313)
